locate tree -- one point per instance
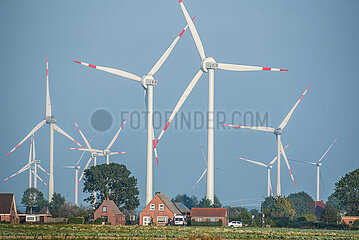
(56, 203)
(278, 210)
(240, 214)
(347, 192)
(113, 182)
(302, 203)
(33, 198)
(205, 203)
(330, 214)
(68, 210)
(335, 202)
(189, 202)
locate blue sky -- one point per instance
(315, 40)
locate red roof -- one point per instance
(209, 212)
(320, 204)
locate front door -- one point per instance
(146, 221)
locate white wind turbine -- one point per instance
(208, 65)
(277, 132)
(269, 167)
(77, 168)
(32, 166)
(49, 119)
(319, 164)
(147, 81)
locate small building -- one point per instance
(319, 207)
(8, 211)
(349, 220)
(160, 211)
(110, 212)
(210, 214)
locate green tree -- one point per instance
(240, 214)
(347, 192)
(333, 200)
(310, 217)
(189, 202)
(302, 203)
(113, 182)
(56, 203)
(330, 214)
(205, 203)
(33, 198)
(278, 210)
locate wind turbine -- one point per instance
(49, 119)
(277, 132)
(269, 167)
(318, 164)
(77, 168)
(147, 81)
(32, 166)
(208, 65)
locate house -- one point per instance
(210, 214)
(110, 212)
(349, 220)
(160, 210)
(182, 208)
(8, 211)
(36, 216)
(319, 207)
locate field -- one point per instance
(16, 231)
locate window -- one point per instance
(350, 222)
(199, 219)
(162, 219)
(104, 209)
(105, 217)
(152, 207)
(212, 219)
(161, 207)
(146, 220)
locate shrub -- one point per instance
(356, 223)
(76, 220)
(206, 223)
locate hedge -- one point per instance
(76, 220)
(206, 223)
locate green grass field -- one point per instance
(21, 231)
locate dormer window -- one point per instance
(161, 207)
(104, 209)
(152, 207)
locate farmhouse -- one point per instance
(8, 211)
(349, 220)
(210, 215)
(160, 211)
(110, 212)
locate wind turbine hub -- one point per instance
(93, 154)
(106, 152)
(208, 63)
(148, 80)
(270, 166)
(77, 167)
(50, 119)
(278, 131)
(37, 161)
(319, 164)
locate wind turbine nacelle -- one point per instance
(37, 161)
(106, 152)
(278, 131)
(50, 119)
(148, 80)
(319, 164)
(77, 167)
(208, 63)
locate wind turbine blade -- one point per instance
(68, 167)
(18, 172)
(83, 171)
(328, 150)
(265, 129)
(194, 32)
(48, 102)
(83, 153)
(113, 71)
(83, 136)
(312, 163)
(115, 153)
(286, 119)
(275, 158)
(258, 163)
(115, 137)
(37, 127)
(286, 161)
(205, 171)
(204, 156)
(167, 53)
(270, 186)
(181, 101)
(59, 130)
(30, 153)
(245, 68)
(33, 172)
(87, 150)
(33, 149)
(43, 169)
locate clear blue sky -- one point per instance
(316, 40)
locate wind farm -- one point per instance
(307, 95)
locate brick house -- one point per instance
(349, 220)
(210, 214)
(110, 212)
(161, 210)
(8, 211)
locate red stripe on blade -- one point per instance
(181, 33)
(154, 143)
(93, 66)
(180, 1)
(157, 162)
(266, 69)
(283, 70)
(166, 126)
(77, 62)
